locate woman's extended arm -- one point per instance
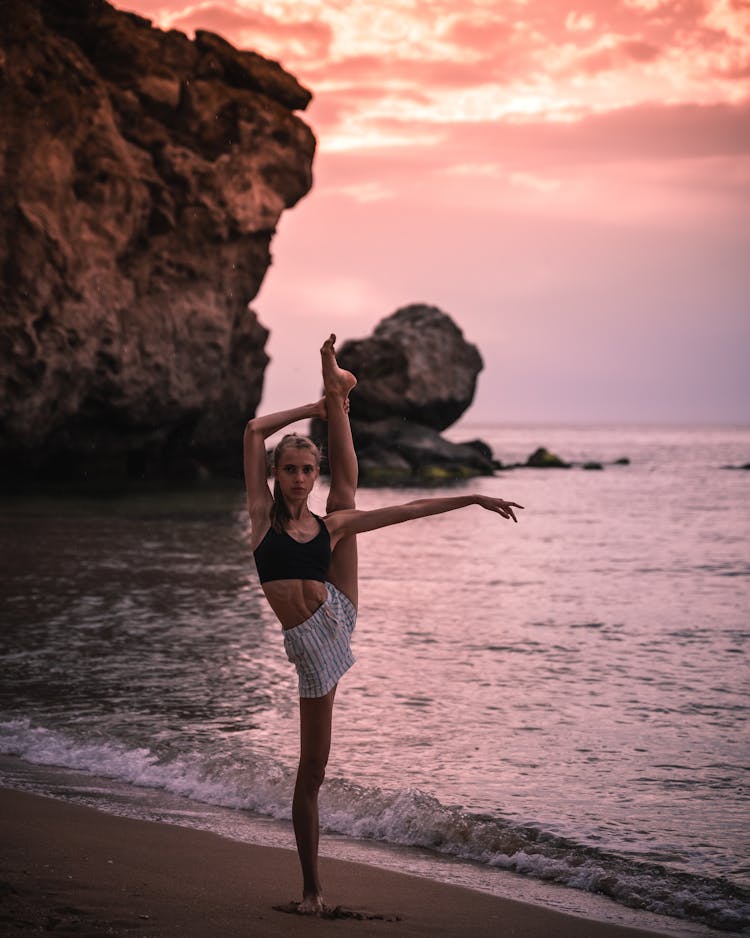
(353, 521)
(257, 431)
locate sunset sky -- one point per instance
(570, 181)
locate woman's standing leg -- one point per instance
(315, 744)
(316, 713)
(342, 461)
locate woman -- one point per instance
(308, 571)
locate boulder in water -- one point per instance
(416, 376)
(416, 365)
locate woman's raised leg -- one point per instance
(342, 462)
(315, 744)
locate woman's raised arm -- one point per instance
(257, 431)
(342, 524)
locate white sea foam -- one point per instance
(257, 787)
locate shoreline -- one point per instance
(73, 868)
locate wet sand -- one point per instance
(72, 870)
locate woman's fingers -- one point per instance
(506, 509)
(499, 505)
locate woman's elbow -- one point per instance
(251, 430)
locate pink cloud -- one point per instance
(307, 37)
(482, 36)
(686, 158)
(429, 75)
(615, 56)
(652, 131)
(298, 38)
(640, 51)
(457, 46)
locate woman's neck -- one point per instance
(298, 510)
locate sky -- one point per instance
(569, 181)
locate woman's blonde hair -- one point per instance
(279, 510)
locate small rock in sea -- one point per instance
(592, 465)
(622, 461)
(541, 458)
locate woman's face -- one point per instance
(296, 472)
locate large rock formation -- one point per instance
(143, 175)
(417, 375)
(416, 365)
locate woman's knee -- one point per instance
(312, 773)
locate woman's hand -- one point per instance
(321, 410)
(498, 505)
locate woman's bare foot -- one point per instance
(336, 381)
(311, 905)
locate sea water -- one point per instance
(563, 701)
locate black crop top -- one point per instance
(280, 557)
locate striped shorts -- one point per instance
(319, 647)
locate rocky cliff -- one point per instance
(142, 178)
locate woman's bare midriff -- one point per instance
(294, 601)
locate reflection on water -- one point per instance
(583, 672)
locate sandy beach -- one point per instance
(74, 870)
